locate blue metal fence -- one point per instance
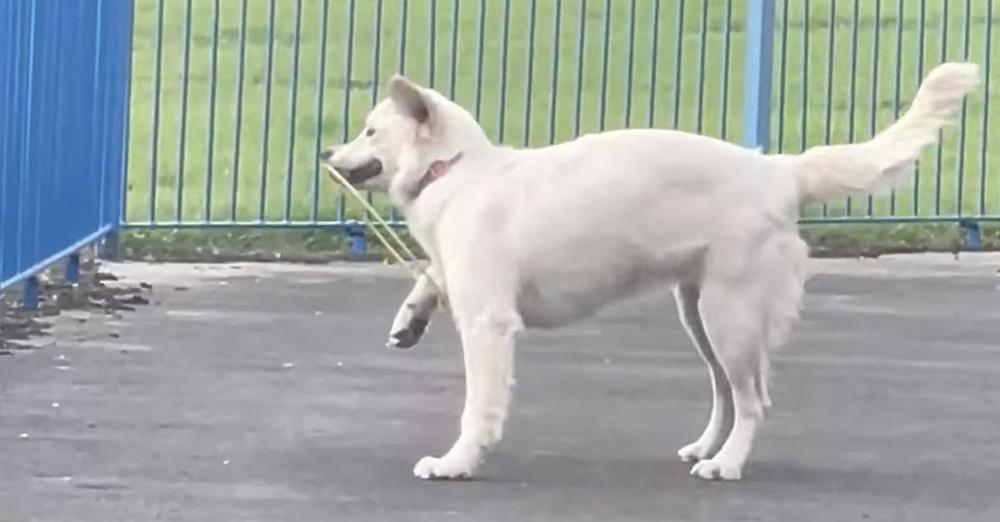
(232, 99)
(64, 74)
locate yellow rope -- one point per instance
(378, 218)
(442, 300)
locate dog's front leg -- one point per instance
(488, 348)
(415, 313)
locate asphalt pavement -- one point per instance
(258, 392)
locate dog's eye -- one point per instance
(369, 132)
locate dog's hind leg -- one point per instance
(415, 313)
(749, 301)
(733, 321)
(488, 347)
(720, 421)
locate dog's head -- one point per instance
(410, 130)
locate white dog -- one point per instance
(544, 237)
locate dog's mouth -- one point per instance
(363, 173)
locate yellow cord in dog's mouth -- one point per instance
(398, 250)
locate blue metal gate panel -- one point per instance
(64, 76)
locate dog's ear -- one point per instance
(408, 99)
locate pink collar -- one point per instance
(436, 171)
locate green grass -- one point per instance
(296, 191)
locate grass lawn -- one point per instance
(228, 110)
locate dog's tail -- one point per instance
(830, 171)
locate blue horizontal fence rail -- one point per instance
(64, 73)
(232, 99)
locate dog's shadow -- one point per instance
(872, 482)
(600, 486)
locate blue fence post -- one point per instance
(356, 235)
(29, 297)
(72, 275)
(759, 65)
(108, 247)
(973, 238)
(113, 175)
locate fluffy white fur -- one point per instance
(545, 237)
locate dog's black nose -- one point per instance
(326, 154)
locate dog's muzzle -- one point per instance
(363, 173)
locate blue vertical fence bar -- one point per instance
(530, 72)
(938, 156)
(653, 62)
(266, 131)
(504, 46)
(293, 103)
(580, 46)
(897, 85)
(604, 65)
(830, 71)
(700, 117)
(782, 77)
(629, 77)
(757, 82)
(873, 103)
(262, 85)
(320, 91)
(554, 86)
(211, 111)
(182, 139)
(727, 40)
(154, 146)
(985, 129)
(678, 61)
(853, 80)
(64, 89)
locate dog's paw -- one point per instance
(433, 468)
(713, 469)
(694, 452)
(408, 336)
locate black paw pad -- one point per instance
(409, 336)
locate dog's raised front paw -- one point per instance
(713, 469)
(694, 452)
(430, 468)
(408, 336)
